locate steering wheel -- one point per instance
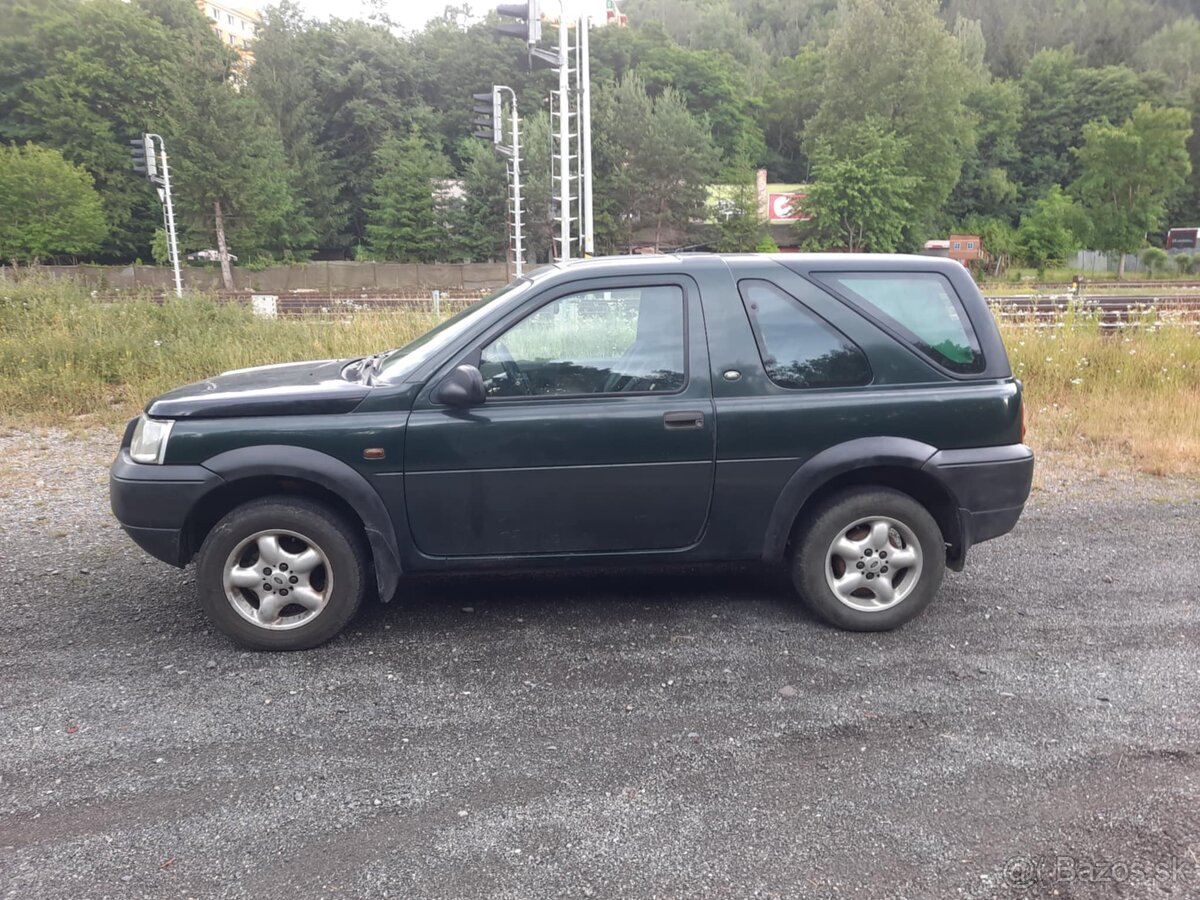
(512, 372)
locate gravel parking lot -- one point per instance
(663, 734)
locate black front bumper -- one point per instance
(153, 503)
(990, 486)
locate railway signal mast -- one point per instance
(570, 110)
(151, 160)
(489, 122)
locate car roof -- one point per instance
(601, 265)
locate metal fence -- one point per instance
(1095, 261)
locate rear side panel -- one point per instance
(765, 433)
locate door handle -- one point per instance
(683, 420)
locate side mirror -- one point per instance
(462, 387)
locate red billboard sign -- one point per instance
(786, 207)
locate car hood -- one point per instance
(288, 389)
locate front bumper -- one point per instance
(153, 503)
(990, 486)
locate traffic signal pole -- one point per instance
(570, 173)
(169, 217)
(517, 217)
(564, 141)
(491, 125)
(150, 160)
(588, 248)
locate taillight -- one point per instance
(1021, 400)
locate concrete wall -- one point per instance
(328, 277)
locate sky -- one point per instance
(415, 13)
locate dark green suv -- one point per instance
(854, 416)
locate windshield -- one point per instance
(396, 365)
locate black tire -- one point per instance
(812, 558)
(323, 528)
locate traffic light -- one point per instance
(488, 119)
(145, 160)
(529, 30)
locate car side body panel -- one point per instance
(448, 489)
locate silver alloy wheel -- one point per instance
(278, 579)
(873, 564)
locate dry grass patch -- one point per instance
(1129, 398)
(67, 359)
(1120, 400)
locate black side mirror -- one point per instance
(462, 387)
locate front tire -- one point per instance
(869, 559)
(281, 573)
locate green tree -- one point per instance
(1049, 231)
(1155, 259)
(536, 189)
(346, 86)
(160, 248)
(1174, 51)
(987, 187)
(738, 226)
(894, 60)
(999, 239)
(1103, 32)
(232, 178)
(481, 222)
(1060, 97)
(48, 207)
(791, 96)
(403, 220)
(860, 195)
(85, 78)
(284, 83)
(1129, 172)
(656, 161)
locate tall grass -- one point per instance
(65, 356)
(1128, 398)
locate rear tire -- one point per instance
(868, 559)
(282, 573)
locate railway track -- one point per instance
(1097, 286)
(1113, 312)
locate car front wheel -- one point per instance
(281, 573)
(869, 559)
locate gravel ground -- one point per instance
(667, 734)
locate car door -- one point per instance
(597, 434)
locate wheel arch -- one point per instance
(891, 462)
(252, 472)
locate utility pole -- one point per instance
(149, 161)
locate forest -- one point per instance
(1046, 126)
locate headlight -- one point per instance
(149, 443)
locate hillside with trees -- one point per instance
(1044, 126)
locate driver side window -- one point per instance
(616, 341)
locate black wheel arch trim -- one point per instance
(841, 459)
(323, 470)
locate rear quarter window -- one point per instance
(799, 349)
(922, 307)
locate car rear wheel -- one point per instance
(869, 559)
(281, 573)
